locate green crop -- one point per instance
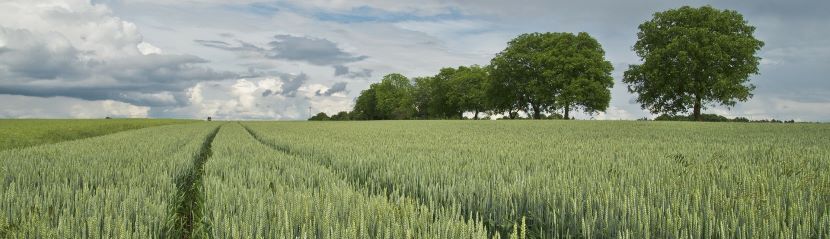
(119, 185)
(254, 190)
(425, 179)
(588, 179)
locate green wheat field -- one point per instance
(413, 179)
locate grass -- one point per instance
(21, 133)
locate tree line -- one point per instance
(691, 58)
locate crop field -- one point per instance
(424, 179)
(20, 133)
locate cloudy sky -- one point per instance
(255, 59)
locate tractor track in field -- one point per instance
(388, 189)
(187, 214)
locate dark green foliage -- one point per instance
(693, 57)
(586, 75)
(452, 92)
(433, 97)
(704, 117)
(469, 86)
(394, 97)
(715, 118)
(544, 72)
(319, 117)
(538, 73)
(342, 115)
(365, 107)
(518, 73)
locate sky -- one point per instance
(285, 60)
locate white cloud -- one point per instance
(773, 107)
(613, 113)
(147, 49)
(245, 98)
(72, 48)
(123, 109)
(91, 29)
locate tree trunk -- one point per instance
(476, 115)
(537, 114)
(567, 110)
(697, 109)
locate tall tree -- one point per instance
(394, 97)
(424, 96)
(585, 76)
(470, 89)
(693, 57)
(502, 96)
(365, 106)
(432, 96)
(519, 69)
(547, 71)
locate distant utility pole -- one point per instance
(309, 111)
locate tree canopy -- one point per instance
(392, 98)
(469, 89)
(693, 57)
(544, 72)
(433, 96)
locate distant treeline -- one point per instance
(571, 74)
(715, 118)
(345, 115)
(691, 58)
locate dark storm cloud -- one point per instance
(241, 46)
(27, 55)
(336, 88)
(317, 51)
(341, 70)
(290, 84)
(364, 73)
(31, 65)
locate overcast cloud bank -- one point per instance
(283, 60)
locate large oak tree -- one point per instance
(543, 72)
(584, 74)
(470, 89)
(693, 57)
(433, 96)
